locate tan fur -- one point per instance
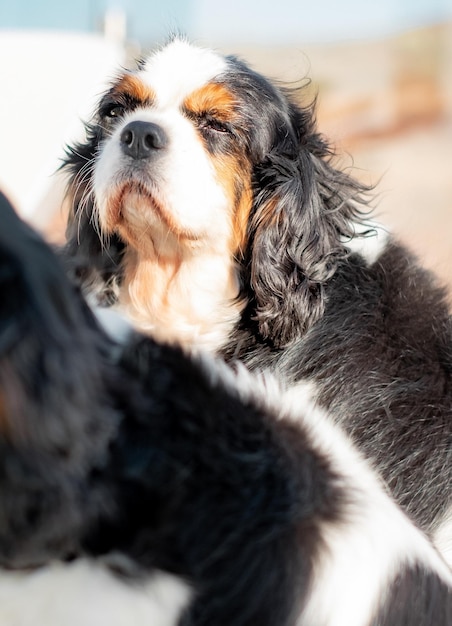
(176, 299)
(135, 211)
(212, 99)
(132, 86)
(235, 177)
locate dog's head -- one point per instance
(194, 151)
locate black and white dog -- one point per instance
(140, 486)
(206, 205)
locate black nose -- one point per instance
(140, 140)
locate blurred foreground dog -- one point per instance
(139, 486)
(206, 205)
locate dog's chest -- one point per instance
(191, 302)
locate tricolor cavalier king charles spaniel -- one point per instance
(142, 486)
(205, 206)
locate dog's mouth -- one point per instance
(135, 209)
(132, 202)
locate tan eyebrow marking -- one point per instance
(134, 87)
(214, 99)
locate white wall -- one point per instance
(49, 83)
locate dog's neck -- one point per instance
(191, 300)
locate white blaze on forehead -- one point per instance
(179, 69)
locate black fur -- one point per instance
(210, 490)
(160, 462)
(55, 419)
(411, 592)
(159, 458)
(149, 456)
(376, 340)
(381, 356)
(92, 263)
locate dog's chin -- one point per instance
(136, 214)
(129, 204)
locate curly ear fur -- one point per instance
(93, 261)
(303, 211)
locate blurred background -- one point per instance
(382, 73)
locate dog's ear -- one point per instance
(303, 211)
(93, 261)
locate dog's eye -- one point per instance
(216, 125)
(209, 123)
(113, 111)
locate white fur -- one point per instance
(443, 537)
(86, 593)
(370, 245)
(179, 69)
(183, 181)
(187, 326)
(194, 304)
(361, 556)
(115, 325)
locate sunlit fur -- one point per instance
(140, 486)
(283, 269)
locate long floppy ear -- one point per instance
(303, 211)
(92, 260)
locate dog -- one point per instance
(140, 484)
(207, 208)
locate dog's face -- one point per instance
(211, 175)
(175, 161)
